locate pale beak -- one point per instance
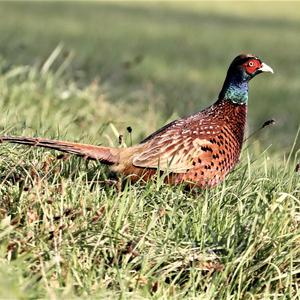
(266, 68)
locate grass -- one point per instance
(65, 234)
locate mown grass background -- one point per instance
(85, 72)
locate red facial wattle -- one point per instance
(252, 65)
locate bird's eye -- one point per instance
(251, 64)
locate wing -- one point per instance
(178, 146)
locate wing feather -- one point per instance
(173, 151)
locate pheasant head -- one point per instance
(242, 69)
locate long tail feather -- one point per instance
(105, 155)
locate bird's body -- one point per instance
(200, 149)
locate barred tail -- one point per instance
(106, 155)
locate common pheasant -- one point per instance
(200, 149)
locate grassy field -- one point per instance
(85, 72)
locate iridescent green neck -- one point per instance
(237, 93)
(235, 89)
